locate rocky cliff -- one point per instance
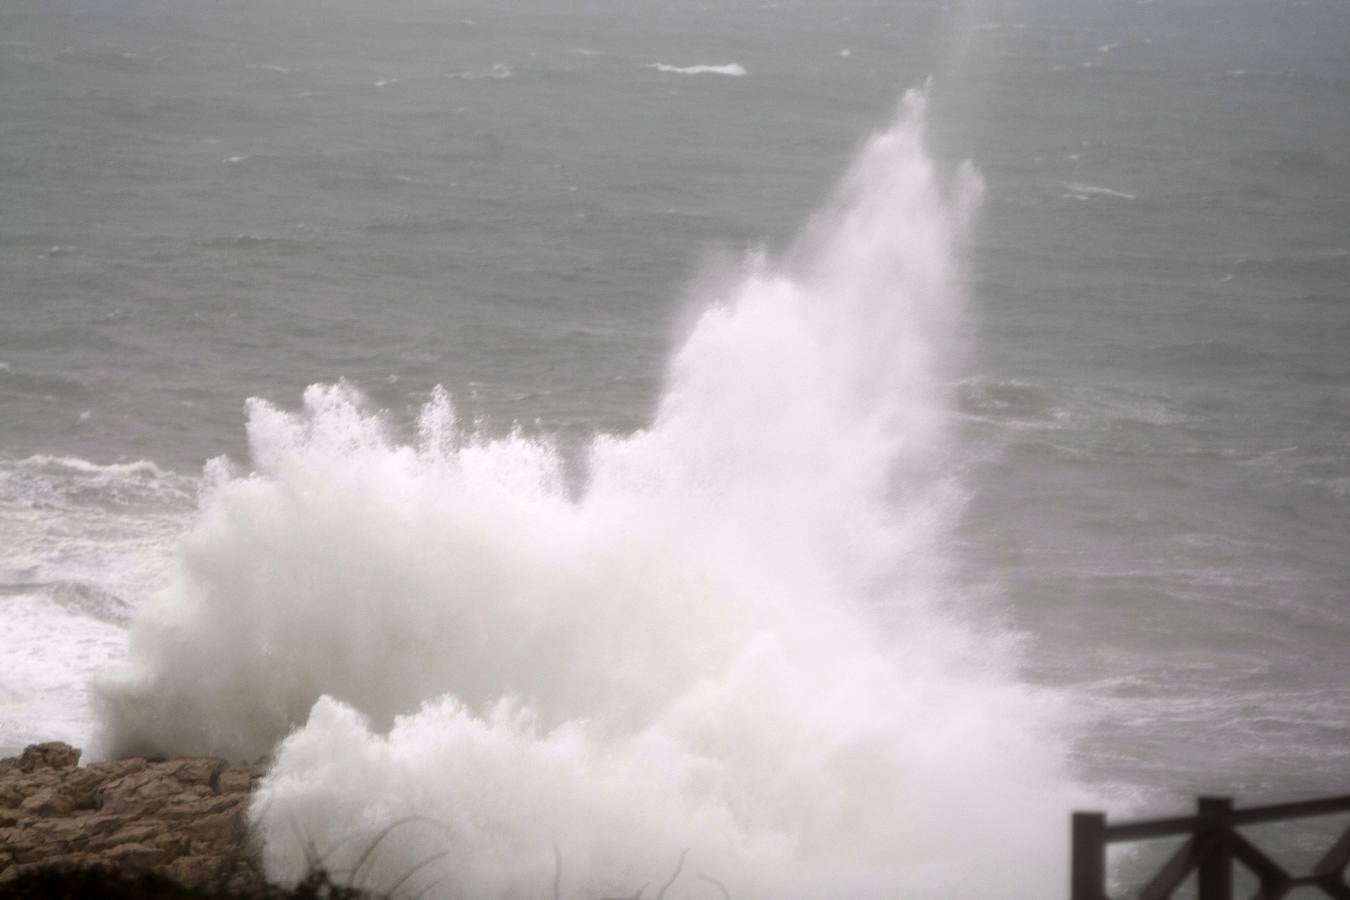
(184, 818)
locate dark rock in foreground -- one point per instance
(101, 883)
(183, 818)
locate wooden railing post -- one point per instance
(1215, 875)
(1088, 873)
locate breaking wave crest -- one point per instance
(736, 646)
(735, 70)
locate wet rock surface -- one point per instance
(185, 818)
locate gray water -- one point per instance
(202, 202)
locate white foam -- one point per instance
(48, 655)
(496, 71)
(1338, 486)
(140, 468)
(1083, 191)
(82, 543)
(738, 645)
(735, 70)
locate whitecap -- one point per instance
(495, 71)
(1083, 191)
(1340, 487)
(140, 468)
(735, 70)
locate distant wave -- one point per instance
(733, 69)
(80, 598)
(1337, 486)
(69, 485)
(1206, 355)
(1083, 191)
(246, 241)
(140, 467)
(497, 70)
(43, 384)
(109, 59)
(1326, 261)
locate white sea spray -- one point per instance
(738, 646)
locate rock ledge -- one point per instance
(185, 818)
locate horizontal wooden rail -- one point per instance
(1213, 844)
(1252, 815)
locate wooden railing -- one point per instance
(1212, 845)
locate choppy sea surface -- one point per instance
(1105, 441)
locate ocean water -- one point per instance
(622, 433)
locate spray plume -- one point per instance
(738, 647)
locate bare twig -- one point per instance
(313, 859)
(414, 870)
(428, 889)
(726, 894)
(369, 852)
(679, 865)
